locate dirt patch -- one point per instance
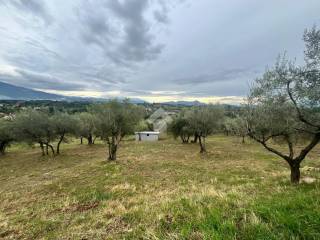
(308, 180)
(117, 225)
(9, 233)
(81, 207)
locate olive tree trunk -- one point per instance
(52, 149)
(113, 143)
(90, 139)
(294, 162)
(42, 149)
(48, 145)
(184, 138)
(202, 143)
(47, 149)
(195, 139)
(112, 152)
(3, 146)
(295, 173)
(59, 143)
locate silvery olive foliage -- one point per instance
(180, 127)
(87, 127)
(115, 120)
(236, 126)
(36, 126)
(6, 136)
(284, 105)
(205, 120)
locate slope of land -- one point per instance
(9, 91)
(13, 92)
(162, 190)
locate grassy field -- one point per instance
(162, 190)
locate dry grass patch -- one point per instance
(162, 190)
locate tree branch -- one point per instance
(290, 146)
(264, 143)
(300, 115)
(315, 140)
(307, 131)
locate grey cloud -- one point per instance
(27, 62)
(36, 56)
(161, 14)
(33, 43)
(148, 93)
(237, 87)
(47, 81)
(219, 76)
(132, 10)
(121, 30)
(35, 7)
(96, 29)
(148, 47)
(36, 80)
(138, 41)
(101, 80)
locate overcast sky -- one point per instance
(157, 50)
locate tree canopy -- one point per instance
(205, 120)
(116, 120)
(6, 136)
(284, 105)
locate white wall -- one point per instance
(145, 137)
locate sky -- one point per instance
(156, 50)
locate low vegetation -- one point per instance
(161, 190)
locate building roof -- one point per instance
(148, 132)
(159, 113)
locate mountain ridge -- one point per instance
(13, 92)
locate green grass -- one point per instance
(162, 190)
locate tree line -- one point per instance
(109, 121)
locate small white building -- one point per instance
(147, 136)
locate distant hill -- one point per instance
(184, 103)
(12, 92)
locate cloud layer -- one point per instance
(153, 49)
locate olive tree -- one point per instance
(34, 126)
(236, 126)
(205, 120)
(63, 124)
(86, 127)
(6, 136)
(114, 121)
(284, 105)
(180, 127)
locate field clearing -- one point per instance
(159, 190)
